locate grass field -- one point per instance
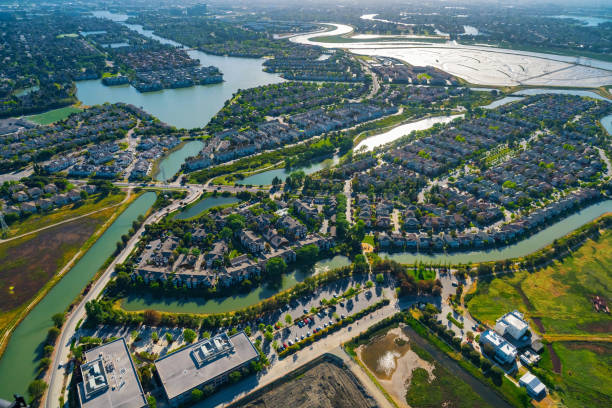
(40, 220)
(445, 390)
(27, 264)
(557, 300)
(368, 239)
(52, 116)
(560, 295)
(585, 379)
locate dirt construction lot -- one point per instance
(322, 386)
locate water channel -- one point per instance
(235, 302)
(265, 178)
(203, 205)
(20, 357)
(171, 164)
(521, 248)
(402, 130)
(577, 92)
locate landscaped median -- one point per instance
(332, 328)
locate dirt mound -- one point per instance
(322, 386)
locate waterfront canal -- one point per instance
(171, 164)
(265, 178)
(402, 130)
(204, 204)
(20, 359)
(235, 302)
(521, 248)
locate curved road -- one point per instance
(56, 376)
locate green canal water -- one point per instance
(265, 178)
(230, 303)
(18, 364)
(521, 248)
(171, 164)
(203, 205)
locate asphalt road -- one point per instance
(56, 375)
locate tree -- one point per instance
(307, 254)
(369, 284)
(247, 330)
(151, 401)
(488, 349)
(235, 376)
(235, 222)
(189, 335)
(275, 267)
(36, 389)
(58, 319)
(169, 338)
(288, 319)
(154, 337)
(197, 395)
(485, 364)
(52, 335)
(152, 317)
(380, 278)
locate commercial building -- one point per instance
(110, 379)
(209, 361)
(513, 325)
(533, 385)
(505, 353)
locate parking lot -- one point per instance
(328, 315)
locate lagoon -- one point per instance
(577, 92)
(502, 101)
(172, 163)
(183, 107)
(265, 178)
(204, 204)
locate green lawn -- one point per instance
(368, 239)
(52, 116)
(422, 273)
(40, 220)
(560, 294)
(445, 390)
(586, 373)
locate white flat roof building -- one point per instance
(533, 385)
(504, 352)
(208, 361)
(110, 379)
(513, 324)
